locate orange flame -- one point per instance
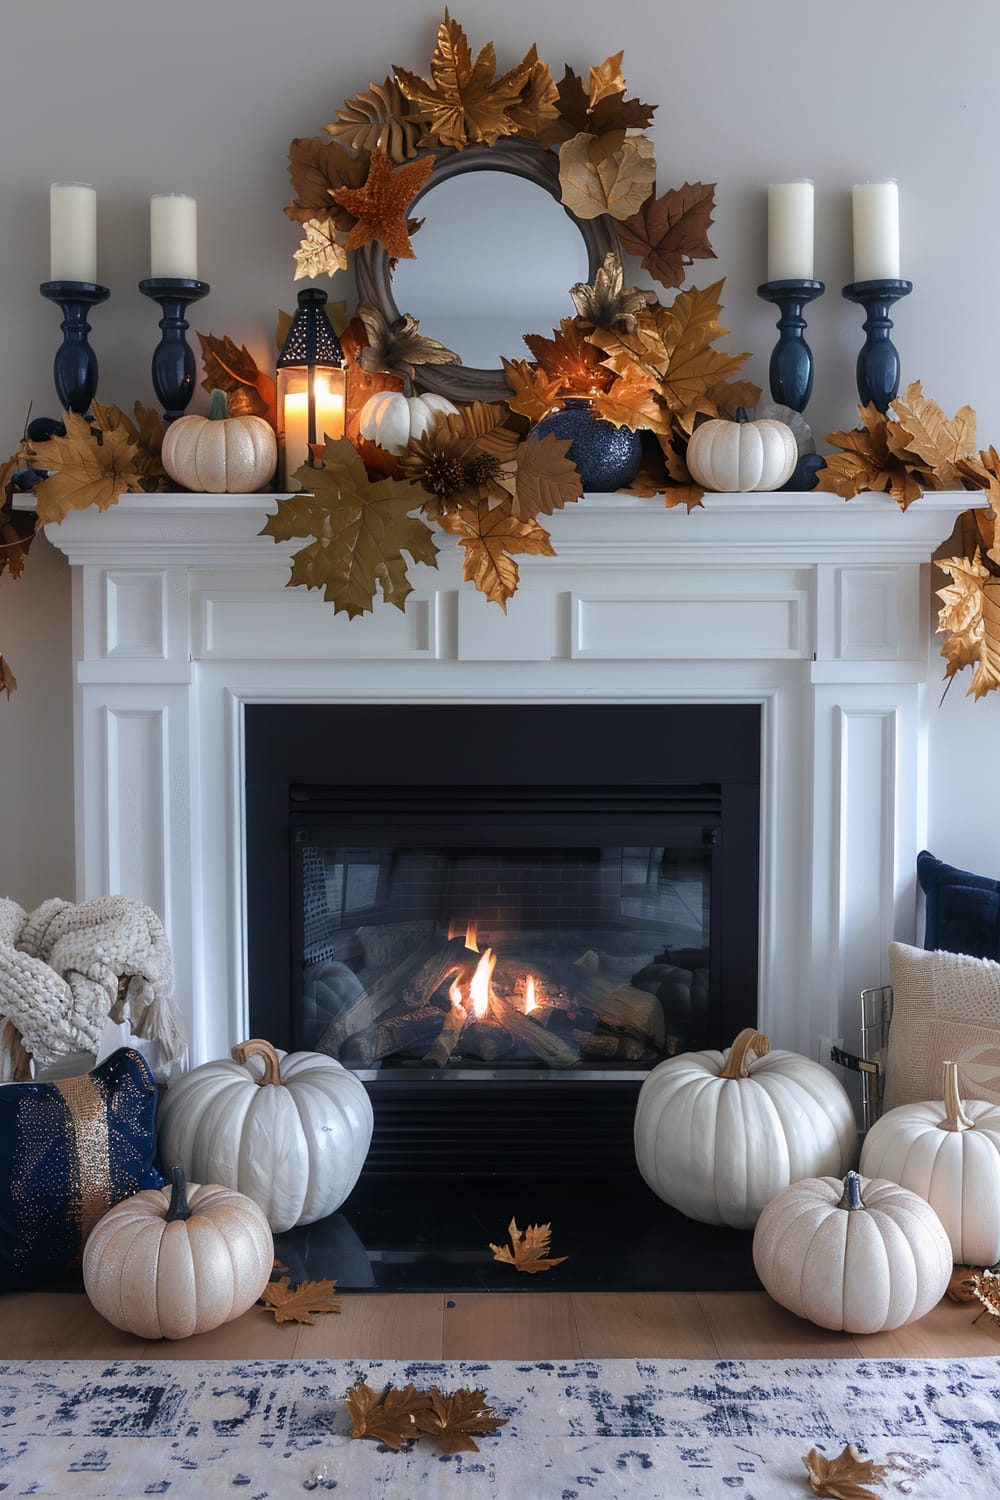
(455, 996)
(530, 1003)
(472, 936)
(479, 989)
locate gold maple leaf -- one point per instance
(378, 116)
(867, 462)
(295, 1304)
(986, 678)
(572, 358)
(843, 1477)
(464, 102)
(388, 1416)
(316, 167)
(961, 612)
(528, 1249)
(538, 105)
(607, 302)
(606, 80)
(693, 368)
(534, 392)
(452, 1420)
(609, 174)
(930, 443)
(380, 205)
(670, 232)
(631, 402)
(8, 682)
(232, 368)
(360, 531)
(91, 468)
(490, 535)
(320, 252)
(546, 479)
(610, 113)
(399, 347)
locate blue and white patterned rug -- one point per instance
(577, 1429)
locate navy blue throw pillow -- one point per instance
(70, 1150)
(963, 910)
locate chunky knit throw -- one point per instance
(60, 967)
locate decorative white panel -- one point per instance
(138, 805)
(135, 614)
(866, 762)
(292, 624)
(726, 627)
(868, 614)
(528, 631)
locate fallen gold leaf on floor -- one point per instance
(528, 1249)
(843, 1477)
(395, 1417)
(295, 1304)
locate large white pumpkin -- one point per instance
(949, 1153)
(718, 1134)
(167, 1263)
(742, 456)
(862, 1255)
(291, 1130)
(219, 454)
(391, 420)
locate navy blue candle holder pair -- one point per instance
(75, 368)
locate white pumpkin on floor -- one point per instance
(718, 1134)
(171, 1262)
(291, 1130)
(860, 1255)
(949, 1153)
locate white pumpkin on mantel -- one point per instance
(290, 1130)
(391, 420)
(742, 457)
(220, 454)
(948, 1152)
(718, 1134)
(860, 1255)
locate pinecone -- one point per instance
(482, 469)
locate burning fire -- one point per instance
(455, 996)
(479, 987)
(530, 1003)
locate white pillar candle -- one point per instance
(790, 231)
(329, 421)
(876, 231)
(173, 236)
(72, 232)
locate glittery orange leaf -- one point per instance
(380, 206)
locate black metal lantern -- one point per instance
(312, 386)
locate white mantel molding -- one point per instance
(815, 609)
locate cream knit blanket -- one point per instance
(59, 970)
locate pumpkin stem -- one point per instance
(219, 408)
(741, 414)
(256, 1047)
(179, 1207)
(852, 1192)
(955, 1117)
(748, 1040)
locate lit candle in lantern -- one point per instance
(73, 232)
(329, 421)
(173, 237)
(790, 231)
(876, 231)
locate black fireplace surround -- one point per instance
(442, 814)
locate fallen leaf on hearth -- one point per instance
(546, 479)
(316, 168)
(671, 232)
(295, 1304)
(360, 531)
(867, 462)
(960, 1286)
(232, 368)
(489, 537)
(611, 113)
(611, 174)
(929, 442)
(8, 682)
(534, 392)
(528, 1249)
(91, 468)
(379, 207)
(452, 1420)
(464, 102)
(378, 116)
(843, 1477)
(320, 252)
(570, 357)
(389, 1416)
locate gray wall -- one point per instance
(203, 96)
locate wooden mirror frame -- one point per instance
(373, 268)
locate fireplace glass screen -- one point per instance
(468, 959)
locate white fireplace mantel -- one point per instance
(815, 609)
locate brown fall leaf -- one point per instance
(91, 468)
(296, 1304)
(360, 531)
(452, 1420)
(931, 444)
(670, 232)
(232, 368)
(464, 102)
(379, 207)
(316, 168)
(546, 479)
(613, 112)
(538, 107)
(490, 535)
(960, 1284)
(606, 81)
(378, 116)
(570, 357)
(607, 302)
(866, 462)
(8, 682)
(610, 174)
(388, 1416)
(528, 1249)
(534, 392)
(844, 1477)
(399, 347)
(631, 402)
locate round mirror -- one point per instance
(496, 256)
(495, 259)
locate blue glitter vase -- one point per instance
(607, 457)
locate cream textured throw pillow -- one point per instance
(944, 1005)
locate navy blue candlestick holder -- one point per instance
(173, 362)
(878, 362)
(790, 372)
(75, 366)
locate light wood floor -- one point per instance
(533, 1325)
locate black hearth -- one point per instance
(502, 915)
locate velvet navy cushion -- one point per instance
(70, 1150)
(963, 910)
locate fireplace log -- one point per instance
(409, 1032)
(486, 1040)
(538, 1039)
(449, 959)
(437, 1056)
(619, 1006)
(372, 1004)
(604, 1044)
